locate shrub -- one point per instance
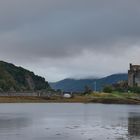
(108, 89)
(134, 89)
(88, 90)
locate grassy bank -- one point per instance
(115, 98)
(106, 98)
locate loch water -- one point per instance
(69, 121)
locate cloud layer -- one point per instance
(70, 38)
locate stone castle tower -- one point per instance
(134, 76)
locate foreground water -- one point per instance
(69, 122)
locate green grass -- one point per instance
(114, 98)
(115, 95)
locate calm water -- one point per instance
(69, 122)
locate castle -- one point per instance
(134, 76)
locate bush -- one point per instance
(134, 89)
(88, 90)
(108, 89)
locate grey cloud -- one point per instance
(92, 23)
(34, 30)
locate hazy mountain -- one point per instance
(13, 78)
(79, 85)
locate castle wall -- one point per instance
(134, 76)
(137, 79)
(130, 79)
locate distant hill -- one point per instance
(79, 85)
(13, 78)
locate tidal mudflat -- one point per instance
(55, 121)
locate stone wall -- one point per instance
(24, 94)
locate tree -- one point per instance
(134, 89)
(88, 89)
(108, 89)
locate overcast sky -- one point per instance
(70, 38)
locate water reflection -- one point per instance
(69, 121)
(134, 124)
(11, 122)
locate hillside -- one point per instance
(79, 85)
(13, 78)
